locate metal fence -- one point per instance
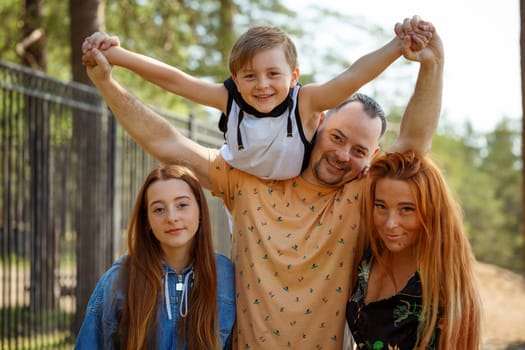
(68, 180)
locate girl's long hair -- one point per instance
(142, 273)
(444, 256)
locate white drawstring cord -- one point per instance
(183, 307)
(167, 295)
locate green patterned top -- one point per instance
(391, 323)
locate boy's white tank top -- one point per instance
(268, 151)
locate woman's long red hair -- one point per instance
(444, 256)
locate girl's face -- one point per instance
(395, 215)
(264, 83)
(173, 214)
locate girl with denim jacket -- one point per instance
(171, 291)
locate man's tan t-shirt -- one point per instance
(293, 245)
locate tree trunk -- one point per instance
(32, 48)
(522, 50)
(87, 16)
(227, 34)
(93, 225)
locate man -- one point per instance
(294, 241)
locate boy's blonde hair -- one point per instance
(257, 39)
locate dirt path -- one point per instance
(503, 296)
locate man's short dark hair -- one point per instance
(371, 107)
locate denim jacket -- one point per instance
(99, 327)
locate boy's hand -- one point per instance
(97, 40)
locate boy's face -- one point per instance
(265, 81)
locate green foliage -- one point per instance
(9, 13)
(502, 163)
(194, 36)
(484, 171)
(56, 32)
(175, 32)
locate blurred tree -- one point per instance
(484, 171)
(460, 159)
(94, 252)
(502, 163)
(32, 47)
(85, 18)
(522, 57)
(10, 33)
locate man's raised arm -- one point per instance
(421, 116)
(150, 130)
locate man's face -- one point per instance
(345, 144)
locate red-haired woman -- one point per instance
(416, 287)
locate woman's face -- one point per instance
(395, 215)
(173, 214)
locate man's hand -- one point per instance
(97, 66)
(97, 40)
(420, 40)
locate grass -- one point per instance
(58, 341)
(22, 329)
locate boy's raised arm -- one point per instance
(333, 92)
(161, 74)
